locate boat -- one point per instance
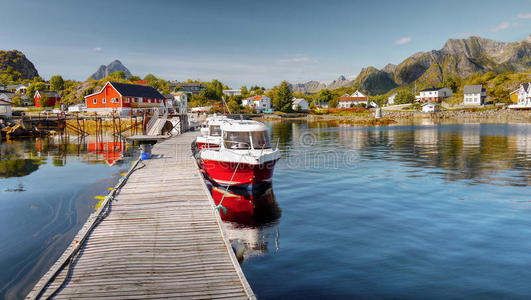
(244, 157)
(211, 133)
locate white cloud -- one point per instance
(403, 41)
(97, 49)
(524, 16)
(501, 26)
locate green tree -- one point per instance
(57, 83)
(44, 101)
(245, 92)
(334, 102)
(233, 106)
(404, 96)
(283, 98)
(18, 101)
(33, 87)
(150, 77)
(117, 75)
(453, 83)
(325, 95)
(134, 78)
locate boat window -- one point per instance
(236, 140)
(215, 130)
(260, 140)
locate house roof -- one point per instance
(526, 85)
(135, 90)
(178, 93)
(255, 98)
(49, 94)
(5, 102)
(298, 100)
(472, 89)
(194, 84)
(433, 89)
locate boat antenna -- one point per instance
(225, 104)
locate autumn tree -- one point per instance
(404, 96)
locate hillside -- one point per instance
(15, 62)
(314, 86)
(104, 71)
(458, 57)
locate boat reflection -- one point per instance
(251, 220)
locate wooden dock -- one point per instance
(162, 238)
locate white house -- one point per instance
(391, 99)
(5, 108)
(235, 92)
(430, 107)
(180, 102)
(474, 95)
(357, 98)
(259, 103)
(435, 95)
(523, 94)
(77, 108)
(299, 104)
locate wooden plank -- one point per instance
(162, 238)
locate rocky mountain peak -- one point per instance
(104, 71)
(18, 62)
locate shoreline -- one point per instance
(392, 117)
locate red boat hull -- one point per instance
(223, 173)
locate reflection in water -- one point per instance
(251, 221)
(47, 190)
(475, 152)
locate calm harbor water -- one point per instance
(47, 189)
(435, 211)
(415, 211)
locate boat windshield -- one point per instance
(236, 140)
(215, 130)
(260, 140)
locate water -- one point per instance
(433, 211)
(47, 189)
(437, 211)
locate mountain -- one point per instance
(458, 57)
(15, 60)
(104, 71)
(315, 86)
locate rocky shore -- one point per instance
(389, 117)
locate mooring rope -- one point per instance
(104, 212)
(223, 198)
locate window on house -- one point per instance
(94, 101)
(104, 100)
(126, 100)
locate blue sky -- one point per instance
(246, 42)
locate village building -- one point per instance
(193, 88)
(6, 95)
(124, 98)
(53, 97)
(391, 99)
(430, 107)
(5, 108)
(259, 103)
(474, 94)
(17, 88)
(522, 95)
(178, 101)
(356, 99)
(299, 104)
(234, 92)
(322, 104)
(434, 95)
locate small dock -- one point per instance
(160, 238)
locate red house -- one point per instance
(53, 97)
(123, 98)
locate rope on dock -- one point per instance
(102, 212)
